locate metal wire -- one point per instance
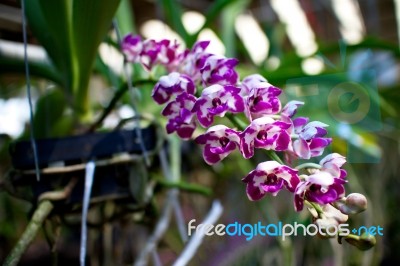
(89, 176)
(28, 91)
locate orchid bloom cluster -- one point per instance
(270, 126)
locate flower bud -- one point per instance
(353, 204)
(363, 242)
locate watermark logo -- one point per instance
(348, 101)
(279, 229)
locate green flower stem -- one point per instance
(192, 188)
(308, 165)
(40, 214)
(315, 206)
(236, 121)
(117, 96)
(271, 154)
(175, 155)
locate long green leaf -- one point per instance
(57, 22)
(38, 24)
(173, 16)
(43, 69)
(229, 15)
(125, 18)
(49, 109)
(91, 21)
(71, 31)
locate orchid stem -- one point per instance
(236, 121)
(315, 206)
(271, 154)
(308, 165)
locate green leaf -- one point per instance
(71, 31)
(91, 20)
(229, 16)
(38, 25)
(125, 18)
(10, 63)
(57, 16)
(49, 109)
(173, 16)
(213, 12)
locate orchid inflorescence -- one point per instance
(270, 126)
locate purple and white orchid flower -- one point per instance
(216, 100)
(325, 185)
(132, 48)
(173, 84)
(194, 60)
(219, 142)
(332, 164)
(262, 100)
(270, 177)
(219, 70)
(250, 82)
(169, 55)
(266, 133)
(311, 141)
(180, 117)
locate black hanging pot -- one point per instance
(63, 159)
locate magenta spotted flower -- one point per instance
(262, 100)
(250, 82)
(266, 133)
(320, 187)
(332, 164)
(168, 54)
(216, 100)
(270, 177)
(219, 141)
(132, 48)
(192, 61)
(325, 185)
(219, 70)
(311, 141)
(180, 117)
(173, 84)
(149, 54)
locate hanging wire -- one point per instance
(89, 176)
(28, 91)
(133, 98)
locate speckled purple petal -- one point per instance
(299, 122)
(185, 131)
(273, 188)
(298, 203)
(290, 108)
(247, 142)
(132, 47)
(300, 147)
(317, 146)
(253, 192)
(210, 157)
(283, 141)
(219, 142)
(322, 198)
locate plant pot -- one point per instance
(63, 159)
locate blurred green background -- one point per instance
(341, 57)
